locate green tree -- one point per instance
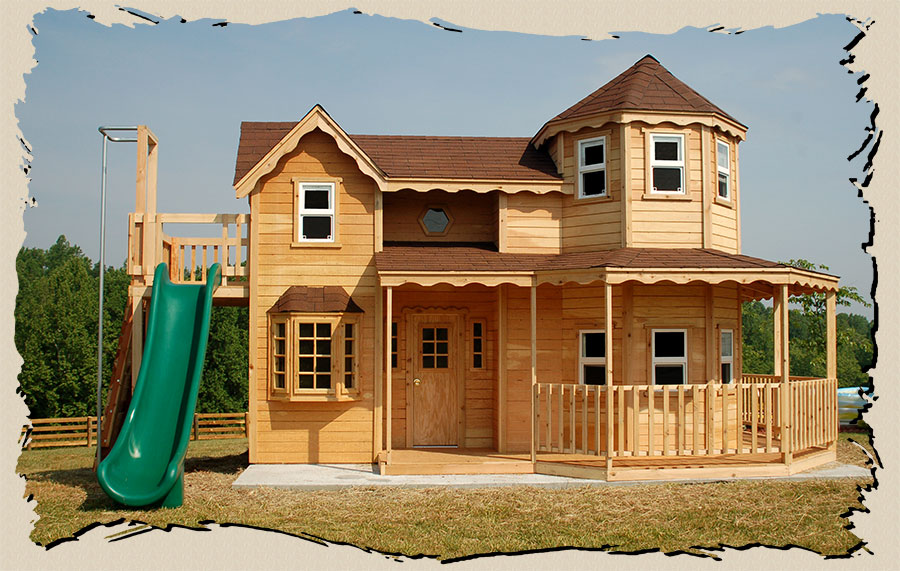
(224, 385)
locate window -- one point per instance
(435, 348)
(394, 344)
(669, 347)
(477, 344)
(314, 355)
(667, 163)
(592, 167)
(723, 162)
(727, 355)
(315, 203)
(592, 357)
(436, 220)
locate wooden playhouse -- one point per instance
(568, 303)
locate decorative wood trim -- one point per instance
(458, 279)
(316, 118)
(479, 186)
(682, 119)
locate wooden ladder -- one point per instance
(119, 396)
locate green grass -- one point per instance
(456, 523)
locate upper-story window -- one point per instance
(723, 162)
(436, 220)
(592, 167)
(316, 212)
(667, 163)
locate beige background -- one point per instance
(222, 548)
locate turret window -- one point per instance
(723, 161)
(667, 163)
(592, 167)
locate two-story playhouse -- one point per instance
(568, 303)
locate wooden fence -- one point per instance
(685, 420)
(82, 430)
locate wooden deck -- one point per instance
(430, 461)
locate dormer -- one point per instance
(652, 163)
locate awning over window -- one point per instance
(305, 299)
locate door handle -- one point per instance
(417, 381)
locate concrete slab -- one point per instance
(339, 476)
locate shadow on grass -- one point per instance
(222, 464)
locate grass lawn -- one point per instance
(457, 523)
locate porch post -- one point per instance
(782, 369)
(533, 363)
(830, 335)
(608, 324)
(389, 313)
(501, 368)
(378, 384)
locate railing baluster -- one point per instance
(651, 417)
(572, 419)
(695, 398)
(665, 395)
(584, 419)
(680, 428)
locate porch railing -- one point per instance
(684, 420)
(188, 258)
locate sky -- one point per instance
(193, 83)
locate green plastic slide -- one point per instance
(146, 464)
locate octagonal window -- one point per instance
(436, 220)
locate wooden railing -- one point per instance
(189, 258)
(82, 430)
(684, 420)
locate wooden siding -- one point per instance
(291, 432)
(723, 215)
(662, 221)
(474, 303)
(593, 223)
(563, 312)
(472, 213)
(533, 223)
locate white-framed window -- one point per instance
(723, 166)
(592, 167)
(313, 355)
(667, 163)
(315, 211)
(592, 357)
(726, 355)
(669, 350)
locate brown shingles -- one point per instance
(646, 86)
(304, 299)
(403, 156)
(474, 258)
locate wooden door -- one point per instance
(435, 373)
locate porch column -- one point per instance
(389, 313)
(830, 335)
(782, 369)
(533, 363)
(608, 324)
(501, 368)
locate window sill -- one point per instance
(593, 199)
(315, 244)
(724, 202)
(317, 397)
(666, 196)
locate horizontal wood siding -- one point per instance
(723, 215)
(472, 213)
(299, 432)
(595, 223)
(475, 303)
(533, 223)
(661, 222)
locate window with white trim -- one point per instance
(726, 355)
(723, 165)
(667, 163)
(592, 357)
(313, 355)
(592, 167)
(315, 211)
(669, 350)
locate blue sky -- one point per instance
(193, 84)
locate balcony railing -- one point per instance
(188, 258)
(748, 417)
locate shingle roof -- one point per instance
(645, 86)
(406, 156)
(328, 299)
(428, 257)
